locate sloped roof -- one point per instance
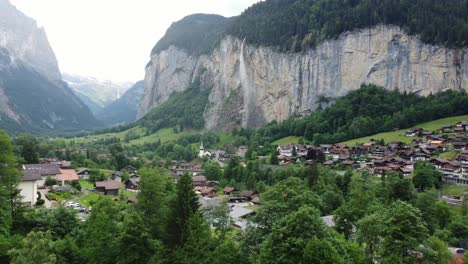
(198, 179)
(108, 185)
(34, 172)
(32, 175)
(67, 175)
(43, 169)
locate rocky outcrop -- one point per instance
(26, 42)
(33, 97)
(251, 86)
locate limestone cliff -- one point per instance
(251, 85)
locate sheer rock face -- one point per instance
(33, 97)
(26, 42)
(251, 86)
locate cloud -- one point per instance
(112, 39)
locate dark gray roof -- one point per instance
(32, 175)
(44, 169)
(34, 172)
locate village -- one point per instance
(53, 182)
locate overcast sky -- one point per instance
(112, 39)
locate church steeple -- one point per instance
(201, 153)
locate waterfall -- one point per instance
(247, 88)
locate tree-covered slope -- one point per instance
(42, 106)
(182, 110)
(197, 34)
(295, 25)
(365, 112)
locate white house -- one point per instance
(28, 187)
(285, 150)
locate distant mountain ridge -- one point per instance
(100, 92)
(123, 110)
(33, 97)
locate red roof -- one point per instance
(67, 175)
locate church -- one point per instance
(202, 153)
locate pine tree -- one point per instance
(184, 206)
(152, 200)
(10, 199)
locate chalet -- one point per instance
(419, 156)
(130, 169)
(132, 183)
(116, 176)
(228, 190)
(460, 145)
(239, 216)
(222, 155)
(452, 166)
(453, 178)
(352, 164)
(205, 191)
(413, 132)
(329, 163)
(381, 171)
(83, 173)
(284, 159)
(439, 162)
(247, 194)
(45, 170)
(426, 133)
(343, 157)
(63, 164)
(459, 130)
(405, 154)
(447, 129)
(396, 145)
(315, 153)
(212, 183)
(108, 187)
(463, 124)
(379, 151)
(301, 150)
(67, 176)
(379, 163)
(241, 151)
(28, 187)
(325, 148)
(199, 181)
(285, 150)
(406, 172)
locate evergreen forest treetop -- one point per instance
(297, 25)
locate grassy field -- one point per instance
(454, 189)
(90, 198)
(86, 184)
(448, 155)
(400, 134)
(165, 135)
(287, 140)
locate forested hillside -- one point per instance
(182, 110)
(295, 25)
(197, 34)
(367, 111)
